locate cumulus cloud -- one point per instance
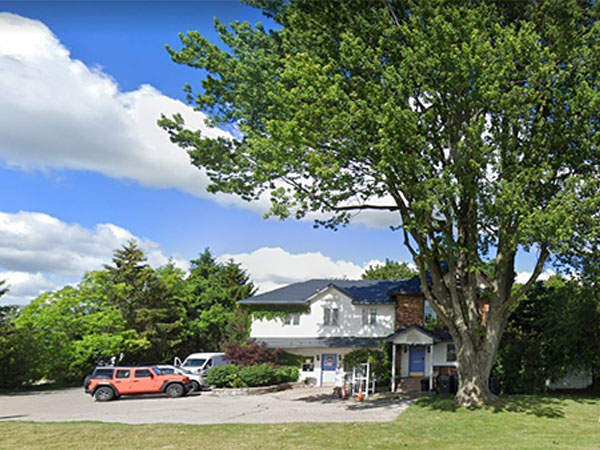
(522, 277)
(58, 113)
(25, 286)
(40, 252)
(274, 267)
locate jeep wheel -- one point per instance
(104, 394)
(196, 386)
(175, 390)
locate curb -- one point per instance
(226, 392)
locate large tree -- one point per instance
(554, 331)
(144, 298)
(390, 270)
(473, 121)
(212, 315)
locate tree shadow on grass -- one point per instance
(438, 403)
(539, 406)
(375, 402)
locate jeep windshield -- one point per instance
(194, 363)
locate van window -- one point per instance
(194, 363)
(209, 363)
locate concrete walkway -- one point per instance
(305, 404)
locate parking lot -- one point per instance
(308, 404)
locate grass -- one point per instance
(528, 422)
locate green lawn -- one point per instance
(433, 422)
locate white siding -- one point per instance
(317, 376)
(439, 355)
(311, 324)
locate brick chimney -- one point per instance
(410, 310)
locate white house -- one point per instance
(343, 315)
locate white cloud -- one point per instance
(522, 277)
(40, 252)
(273, 267)
(23, 286)
(58, 113)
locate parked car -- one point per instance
(200, 362)
(106, 382)
(195, 378)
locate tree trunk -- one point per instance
(476, 355)
(473, 379)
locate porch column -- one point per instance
(393, 367)
(431, 369)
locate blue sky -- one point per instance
(83, 166)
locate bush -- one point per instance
(380, 364)
(259, 375)
(251, 354)
(288, 359)
(232, 375)
(287, 374)
(224, 376)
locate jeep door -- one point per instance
(145, 381)
(123, 381)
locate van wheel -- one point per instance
(196, 386)
(104, 394)
(175, 390)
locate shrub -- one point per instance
(288, 359)
(380, 365)
(251, 354)
(224, 376)
(232, 375)
(287, 374)
(259, 375)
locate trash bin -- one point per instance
(425, 385)
(453, 384)
(495, 385)
(444, 386)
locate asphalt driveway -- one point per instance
(294, 405)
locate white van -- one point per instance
(200, 362)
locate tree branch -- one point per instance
(539, 266)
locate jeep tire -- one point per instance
(104, 394)
(175, 390)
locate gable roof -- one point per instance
(436, 335)
(363, 292)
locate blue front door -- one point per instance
(417, 361)
(329, 362)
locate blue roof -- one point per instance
(360, 291)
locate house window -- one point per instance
(369, 316)
(331, 316)
(450, 353)
(308, 365)
(291, 319)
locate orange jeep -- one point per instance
(106, 383)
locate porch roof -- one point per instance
(416, 335)
(321, 342)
